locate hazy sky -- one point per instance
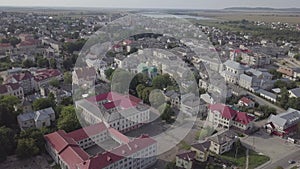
(192, 4)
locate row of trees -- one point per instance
(28, 143)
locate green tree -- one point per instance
(156, 98)
(108, 73)
(43, 103)
(42, 62)
(68, 78)
(8, 114)
(7, 141)
(55, 83)
(27, 63)
(284, 99)
(167, 113)
(27, 148)
(52, 63)
(68, 120)
(139, 90)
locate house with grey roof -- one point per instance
(284, 124)
(267, 95)
(295, 92)
(37, 119)
(222, 142)
(232, 71)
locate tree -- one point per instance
(55, 83)
(275, 73)
(8, 115)
(43, 103)
(67, 78)
(108, 73)
(156, 98)
(279, 167)
(68, 120)
(26, 148)
(161, 81)
(145, 94)
(139, 90)
(27, 63)
(284, 99)
(167, 113)
(42, 62)
(52, 63)
(7, 141)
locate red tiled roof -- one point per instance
(118, 135)
(3, 89)
(243, 118)
(20, 76)
(111, 105)
(59, 140)
(46, 74)
(86, 132)
(126, 101)
(246, 100)
(73, 155)
(85, 72)
(100, 161)
(5, 45)
(134, 146)
(226, 111)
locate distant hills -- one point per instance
(262, 9)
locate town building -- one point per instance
(44, 76)
(221, 115)
(284, 124)
(245, 101)
(185, 160)
(295, 92)
(232, 71)
(24, 79)
(223, 142)
(37, 119)
(267, 95)
(122, 112)
(69, 149)
(84, 77)
(13, 89)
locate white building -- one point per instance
(122, 112)
(232, 71)
(221, 115)
(68, 149)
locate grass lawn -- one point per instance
(255, 159)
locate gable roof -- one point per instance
(187, 156)
(226, 111)
(202, 146)
(59, 140)
(223, 137)
(86, 132)
(243, 118)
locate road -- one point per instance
(262, 101)
(283, 162)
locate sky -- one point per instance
(178, 4)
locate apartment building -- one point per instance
(69, 149)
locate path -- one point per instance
(247, 158)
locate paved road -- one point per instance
(262, 101)
(284, 161)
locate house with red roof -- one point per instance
(221, 115)
(24, 79)
(13, 89)
(69, 149)
(121, 112)
(245, 101)
(44, 76)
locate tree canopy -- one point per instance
(68, 120)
